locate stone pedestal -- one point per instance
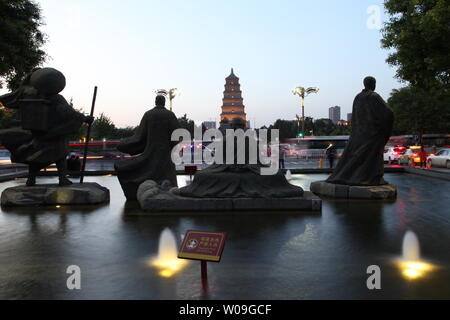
(384, 192)
(156, 199)
(53, 194)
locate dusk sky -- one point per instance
(131, 48)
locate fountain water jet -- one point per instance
(411, 247)
(410, 264)
(167, 260)
(288, 175)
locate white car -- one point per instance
(441, 159)
(392, 154)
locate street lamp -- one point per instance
(302, 93)
(172, 93)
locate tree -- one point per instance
(413, 114)
(20, 40)
(418, 33)
(103, 127)
(188, 124)
(324, 127)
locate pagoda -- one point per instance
(233, 103)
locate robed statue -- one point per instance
(40, 138)
(362, 162)
(236, 180)
(151, 147)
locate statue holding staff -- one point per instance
(47, 120)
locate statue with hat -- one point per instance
(47, 119)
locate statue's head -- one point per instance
(370, 83)
(160, 101)
(47, 81)
(238, 123)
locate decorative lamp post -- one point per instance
(171, 94)
(302, 93)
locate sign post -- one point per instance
(203, 246)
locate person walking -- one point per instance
(423, 157)
(331, 155)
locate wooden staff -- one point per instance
(88, 137)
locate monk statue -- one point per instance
(362, 161)
(239, 180)
(151, 145)
(40, 139)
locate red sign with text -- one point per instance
(203, 245)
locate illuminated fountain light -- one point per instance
(167, 260)
(289, 175)
(411, 265)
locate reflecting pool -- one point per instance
(306, 256)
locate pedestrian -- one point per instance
(423, 157)
(282, 158)
(331, 155)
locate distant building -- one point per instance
(335, 114)
(209, 125)
(233, 103)
(349, 117)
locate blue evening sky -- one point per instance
(130, 48)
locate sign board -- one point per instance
(202, 245)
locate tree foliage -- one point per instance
(186, 123)
(418, 33)
(289, 129)
(21, 40)
(417, 110)
(103, 127)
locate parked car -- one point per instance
(5, 157)
(410, 157)
(392, 154)
(441, 159)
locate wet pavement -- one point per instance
(265, 257)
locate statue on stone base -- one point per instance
(360, 171)
(362, 162)
(239, 180)
(152, 146)
(47, 120)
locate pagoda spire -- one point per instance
(233, 106)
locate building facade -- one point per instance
(335, 114)
(209, 125)
(233, 103)
(349, 117)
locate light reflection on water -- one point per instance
(265, 257)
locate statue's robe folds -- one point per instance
(362, 162)
(45, 141)
(239, 181)
(152, 146)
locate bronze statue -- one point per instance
(239, 180)
(40, 139)
(362, 161)
(153, 146)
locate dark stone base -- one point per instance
(53, 194)
(384, 192)
(156, 200)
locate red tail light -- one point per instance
(415, 155)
